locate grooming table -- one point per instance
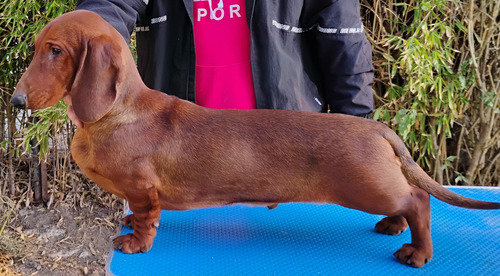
(311, 239)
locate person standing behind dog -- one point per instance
(309, 55)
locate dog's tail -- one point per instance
(418, 177)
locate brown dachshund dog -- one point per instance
(160, 152)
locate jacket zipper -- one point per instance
(189, 10)
(250, 29)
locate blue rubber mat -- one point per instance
(309, 239)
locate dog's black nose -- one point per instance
(18, 101)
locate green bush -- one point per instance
(436, 62)
(20, 21)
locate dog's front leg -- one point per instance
(392, 225)
(146, 215)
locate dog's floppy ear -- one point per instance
(94, 89)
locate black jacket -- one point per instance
(305, 54)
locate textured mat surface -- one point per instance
(309, 239)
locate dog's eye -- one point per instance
(56, 51)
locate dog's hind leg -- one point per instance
(417, 214)
(146, 214)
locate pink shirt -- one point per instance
(222, 45)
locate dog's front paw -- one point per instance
(131, 244)
(393, 225)
(130, 221)
(411, 255)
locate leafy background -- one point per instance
(436, 64)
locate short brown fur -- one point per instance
(160, 152)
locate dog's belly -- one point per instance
(191, 193)
(207, 204)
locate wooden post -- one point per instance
(40, 187)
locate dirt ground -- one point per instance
(65, 239)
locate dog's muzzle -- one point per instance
(18, 101)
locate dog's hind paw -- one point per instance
(272, 206)
(393, 225)
(410, 255)
(130, 244)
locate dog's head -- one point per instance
(77, 55)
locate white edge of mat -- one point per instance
(107, 267)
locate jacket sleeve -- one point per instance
(121, 14)
(344, 59)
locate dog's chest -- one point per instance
(93, 161)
